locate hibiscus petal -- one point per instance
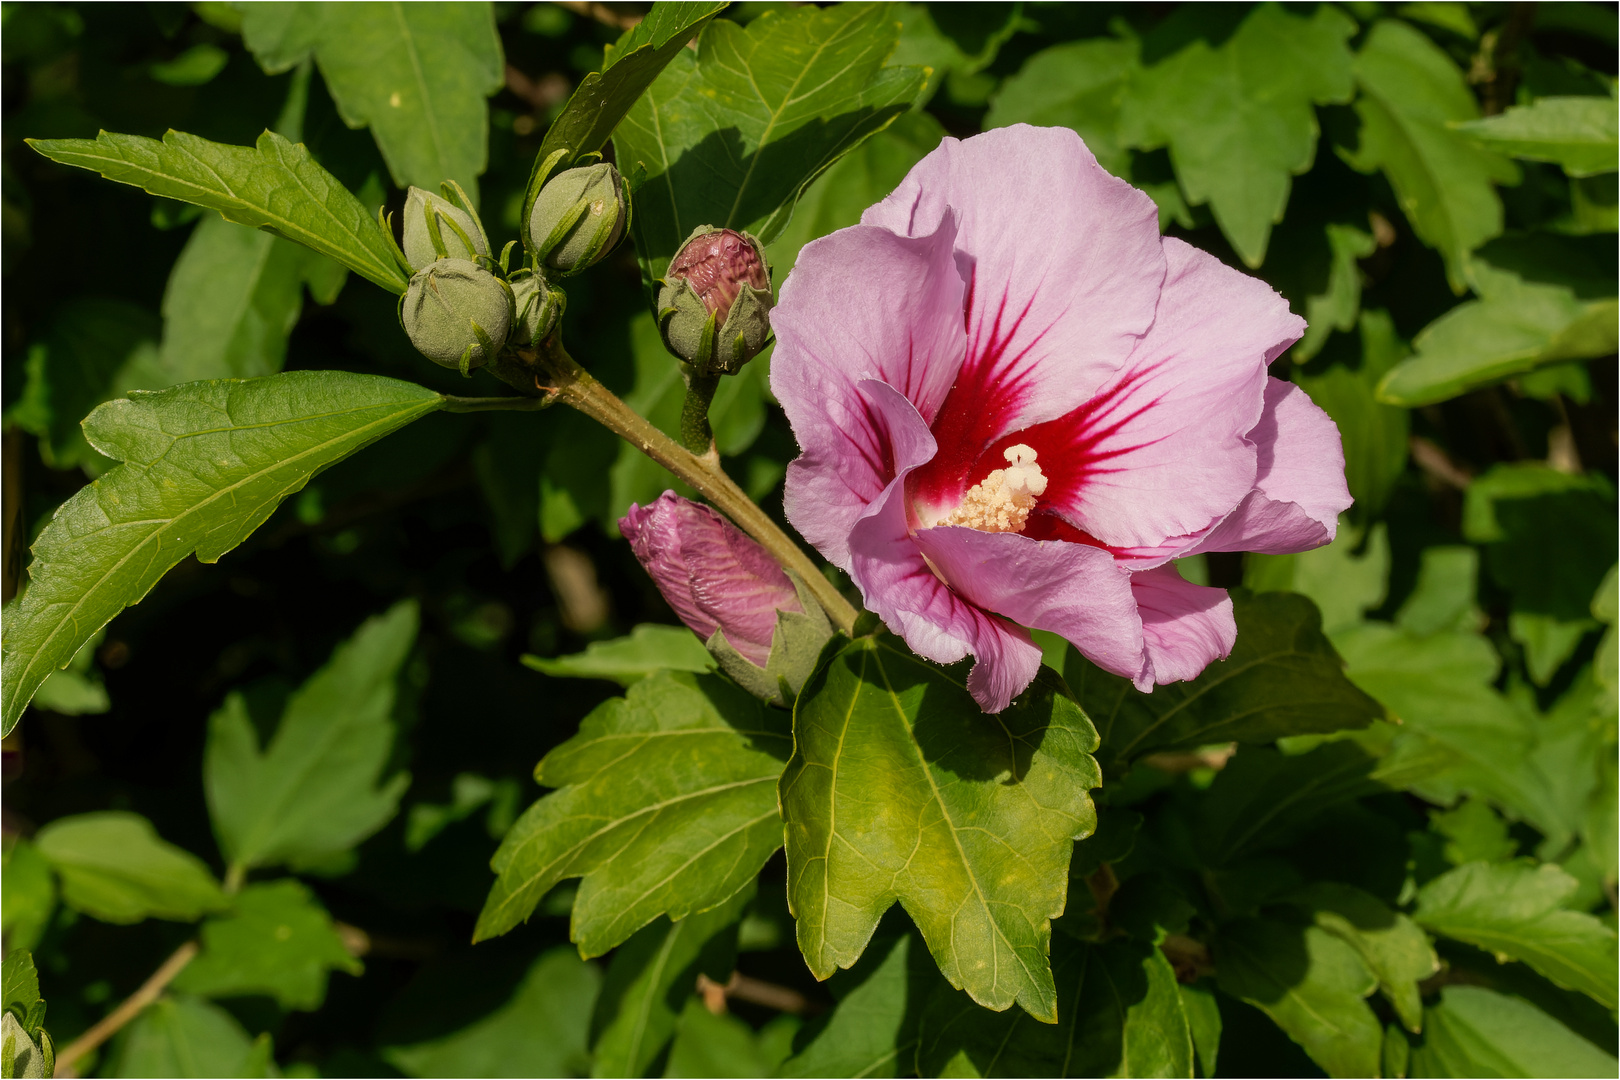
(862, 303)
(1300, 490)
(1161, 451)
(1073, 590)
(1185, 627)
(1064, 265)
(896, 582)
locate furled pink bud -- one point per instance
(714, 577)
(714, 301)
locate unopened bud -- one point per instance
(436, 228)
(536, 307)
(579, 215)
(714, 304)
(456, 313)
(758, 621)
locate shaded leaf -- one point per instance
(1389, 943)
(276, 940)
(1204, 1019)
(29, 897)
(709, 1045)
(873, 1029)
(539, 1032)
(1283, 678)
(1581, 134)
(314, 791)
(1473, 1031)
(1343, 584)
(1078, 85)
(1516, 911)
(1264, 799)
(416, 74)
(114, 866)
(274, 186)
(19, 983)
(1374, 434)
(1336, 307)
(651, 977)
(902, 789)
(183, 1036)
(667, 806)
(1411, 93)
(1238, 117)
(205, 464)
(731, 136)
(1120, 1013)
(1310, 983)
(648, 648)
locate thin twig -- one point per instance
(755, 992)
(600, 12)
(110, 1024)
(492, 404)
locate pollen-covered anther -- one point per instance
(1001, 502)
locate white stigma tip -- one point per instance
(1002, 501)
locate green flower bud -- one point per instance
(714, 302)
(429, 218)
(537, 307)
(579, 215)
(456, 313)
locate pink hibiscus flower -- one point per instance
(1017, 403)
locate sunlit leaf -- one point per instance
(114, 866)
(182, 1036)
(1473, 1031)
(1581, 134)
(648, 648)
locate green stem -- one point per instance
(235, 876)
(550, 371)
(492, 404)
(696, 434)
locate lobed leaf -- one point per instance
(1473, 1031)
(275, 186)
(1392, 946)
(667, 805)
(205, 464)
(733, 135)
(313, 792)
(1283, 678)
(113, 865)
(277, 940)
(182, 1036)
(1580, 134)
(1516, 911)
(902, 789)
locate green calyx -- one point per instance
(695, 334)
(441, 227)
(796, 647)
(536, 307)
(578, 217)
(456, 313)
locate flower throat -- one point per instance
(1002, 501)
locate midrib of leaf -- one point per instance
(573, 851)
(421, 81)
(1074, 1024)
(956, 838)
(163, 523)
(644, 1011)
(1265, 817)
(1430, 178)
(776, 114)
(1200, 692)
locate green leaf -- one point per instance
(1119, 1014)
(1474, 833)
(76, 690)
(91, 352)
(1516, 326)
(731, 136)
(115, 867)
(1581, 134)
(539, 1032)
(233, 297)
(667, 806)
(1311, 983)
(1283, 678)
(416, 74)
(1473, 1031)
(1204, 1018)
(1374, 433)
(1389, 943)
(1411, 93)
(1336, 307)
(184, 1036)
(954, 40)
(708, 1045)
(1443, 598)
(314, 791)
(29, 897)
(275, 186)
(627, 660)
(901, 788)
(1264, 799)
(1516, 911)
(276, 940)
(1238, 118)
(1078, 85)
(205, 464)
(873, 1029)
(20, 983)
(629, 66)
(197, 66)
(1343, 585)
(649, 978)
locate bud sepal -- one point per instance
(456, 313)
(536, 307)
(444, 227)
(796, 649)
(714, 301)
(579, 215)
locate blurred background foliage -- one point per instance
(1459, 278)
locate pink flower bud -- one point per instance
(713, 575)
(717, 265)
